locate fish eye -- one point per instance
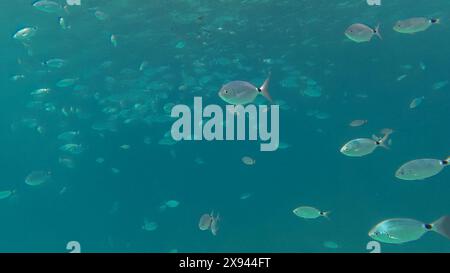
(225, 91)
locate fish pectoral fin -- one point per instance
(392, 237)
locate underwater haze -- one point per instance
(87, 89)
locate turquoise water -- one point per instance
(191, 48)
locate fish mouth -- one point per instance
(220, 94)
(398, 174)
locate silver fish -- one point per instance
(48, 6)
(402, 230)
(413, 25)
(25, 33)
(360, 33)
(420, 169)
(364, 146)
(241, 92)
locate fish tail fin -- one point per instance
(387, 132)
(326, 214)
(446, 161)
(264, 89)
(384, 145)
(64, 10)
(435, 20)
(377, 32)
(442, 226)
(382, 141)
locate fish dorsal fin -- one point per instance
(376, 138)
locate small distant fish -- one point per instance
(17, 77)
(209, 221)
(420, 169)
(364, 146)
(67, 161)
(248, 160)
(143, 65)
(25, 34)
(40, 92)
(440, 85)
(125, 147)
(73, 2)
(406, 67)
(63, 24)
(401, 77)
(403, 230)
(63, 191)
(55, 63)
(199, 161)
(241, 92)
(68, 135)
(172, 203)
(100, 160)
(113, 40)
(6, 194)
(48, 6)
(416, 102)
(66, 82)
(40, 129)
(358, 122)
(72, 148)
(312, 91)
(215, 224)
(180, 44)
(246, 196)
(310, 212)
(374, 2)
(322, 115)
(414, 25)
(149, 226)
(362, 96)
(205, 221)
(422, 66)
(100, 15)
(360, 33)
(37, 178)
(330, 244)
(284, 145)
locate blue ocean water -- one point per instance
(168, 52)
